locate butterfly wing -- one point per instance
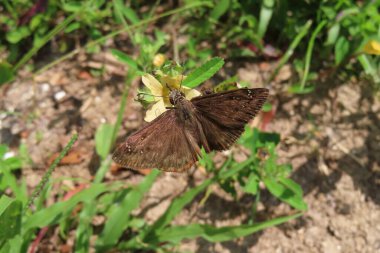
(223, 115)
(161, 144)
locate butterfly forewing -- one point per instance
(223, 115)
(173, 140)
(160, 144)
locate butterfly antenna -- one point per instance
(180, 84)
(168, 86)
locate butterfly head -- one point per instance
(175, 96)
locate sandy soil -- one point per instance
(331, 137)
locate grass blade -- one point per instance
(103, 138)
(309, 51)
(215, 234)
(119, 217)
(266, 12)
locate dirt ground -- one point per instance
(331, 137)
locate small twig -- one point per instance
(38, 239)
(342, 148)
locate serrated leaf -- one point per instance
(203, 73)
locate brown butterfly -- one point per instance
(173, 141)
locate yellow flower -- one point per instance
(160, 91)
(158, 60)
(372, 47)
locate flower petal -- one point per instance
(372, 47)
(173, 81)
(156, 110)
(190, 93)
(153, 84)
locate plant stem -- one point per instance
(125, 29)
(284, 59)
(44, 40)
(48, 173)
(309, 52)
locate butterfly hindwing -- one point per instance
(223, 115)
(160, 144)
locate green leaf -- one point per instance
(214, 234)
(206, 160)
(369, 67)
(332, 34)
(219, 9)
(266, 12)
(253, 138)
(342, 48)
(293, 186)
(121, 10)
(252, 184)
(72, 6)
(6, 73)
(124, 58)
(130, 14)
(284, 193)
(103, 140)
(13, 163)
(10, 218)
(15, 244)
(36, 21)
(72, 27)
(299, 89)
(119, 218)
(3, 150)
(14, 36)
(267, 107)
(203, 73)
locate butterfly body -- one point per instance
(173, 141)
